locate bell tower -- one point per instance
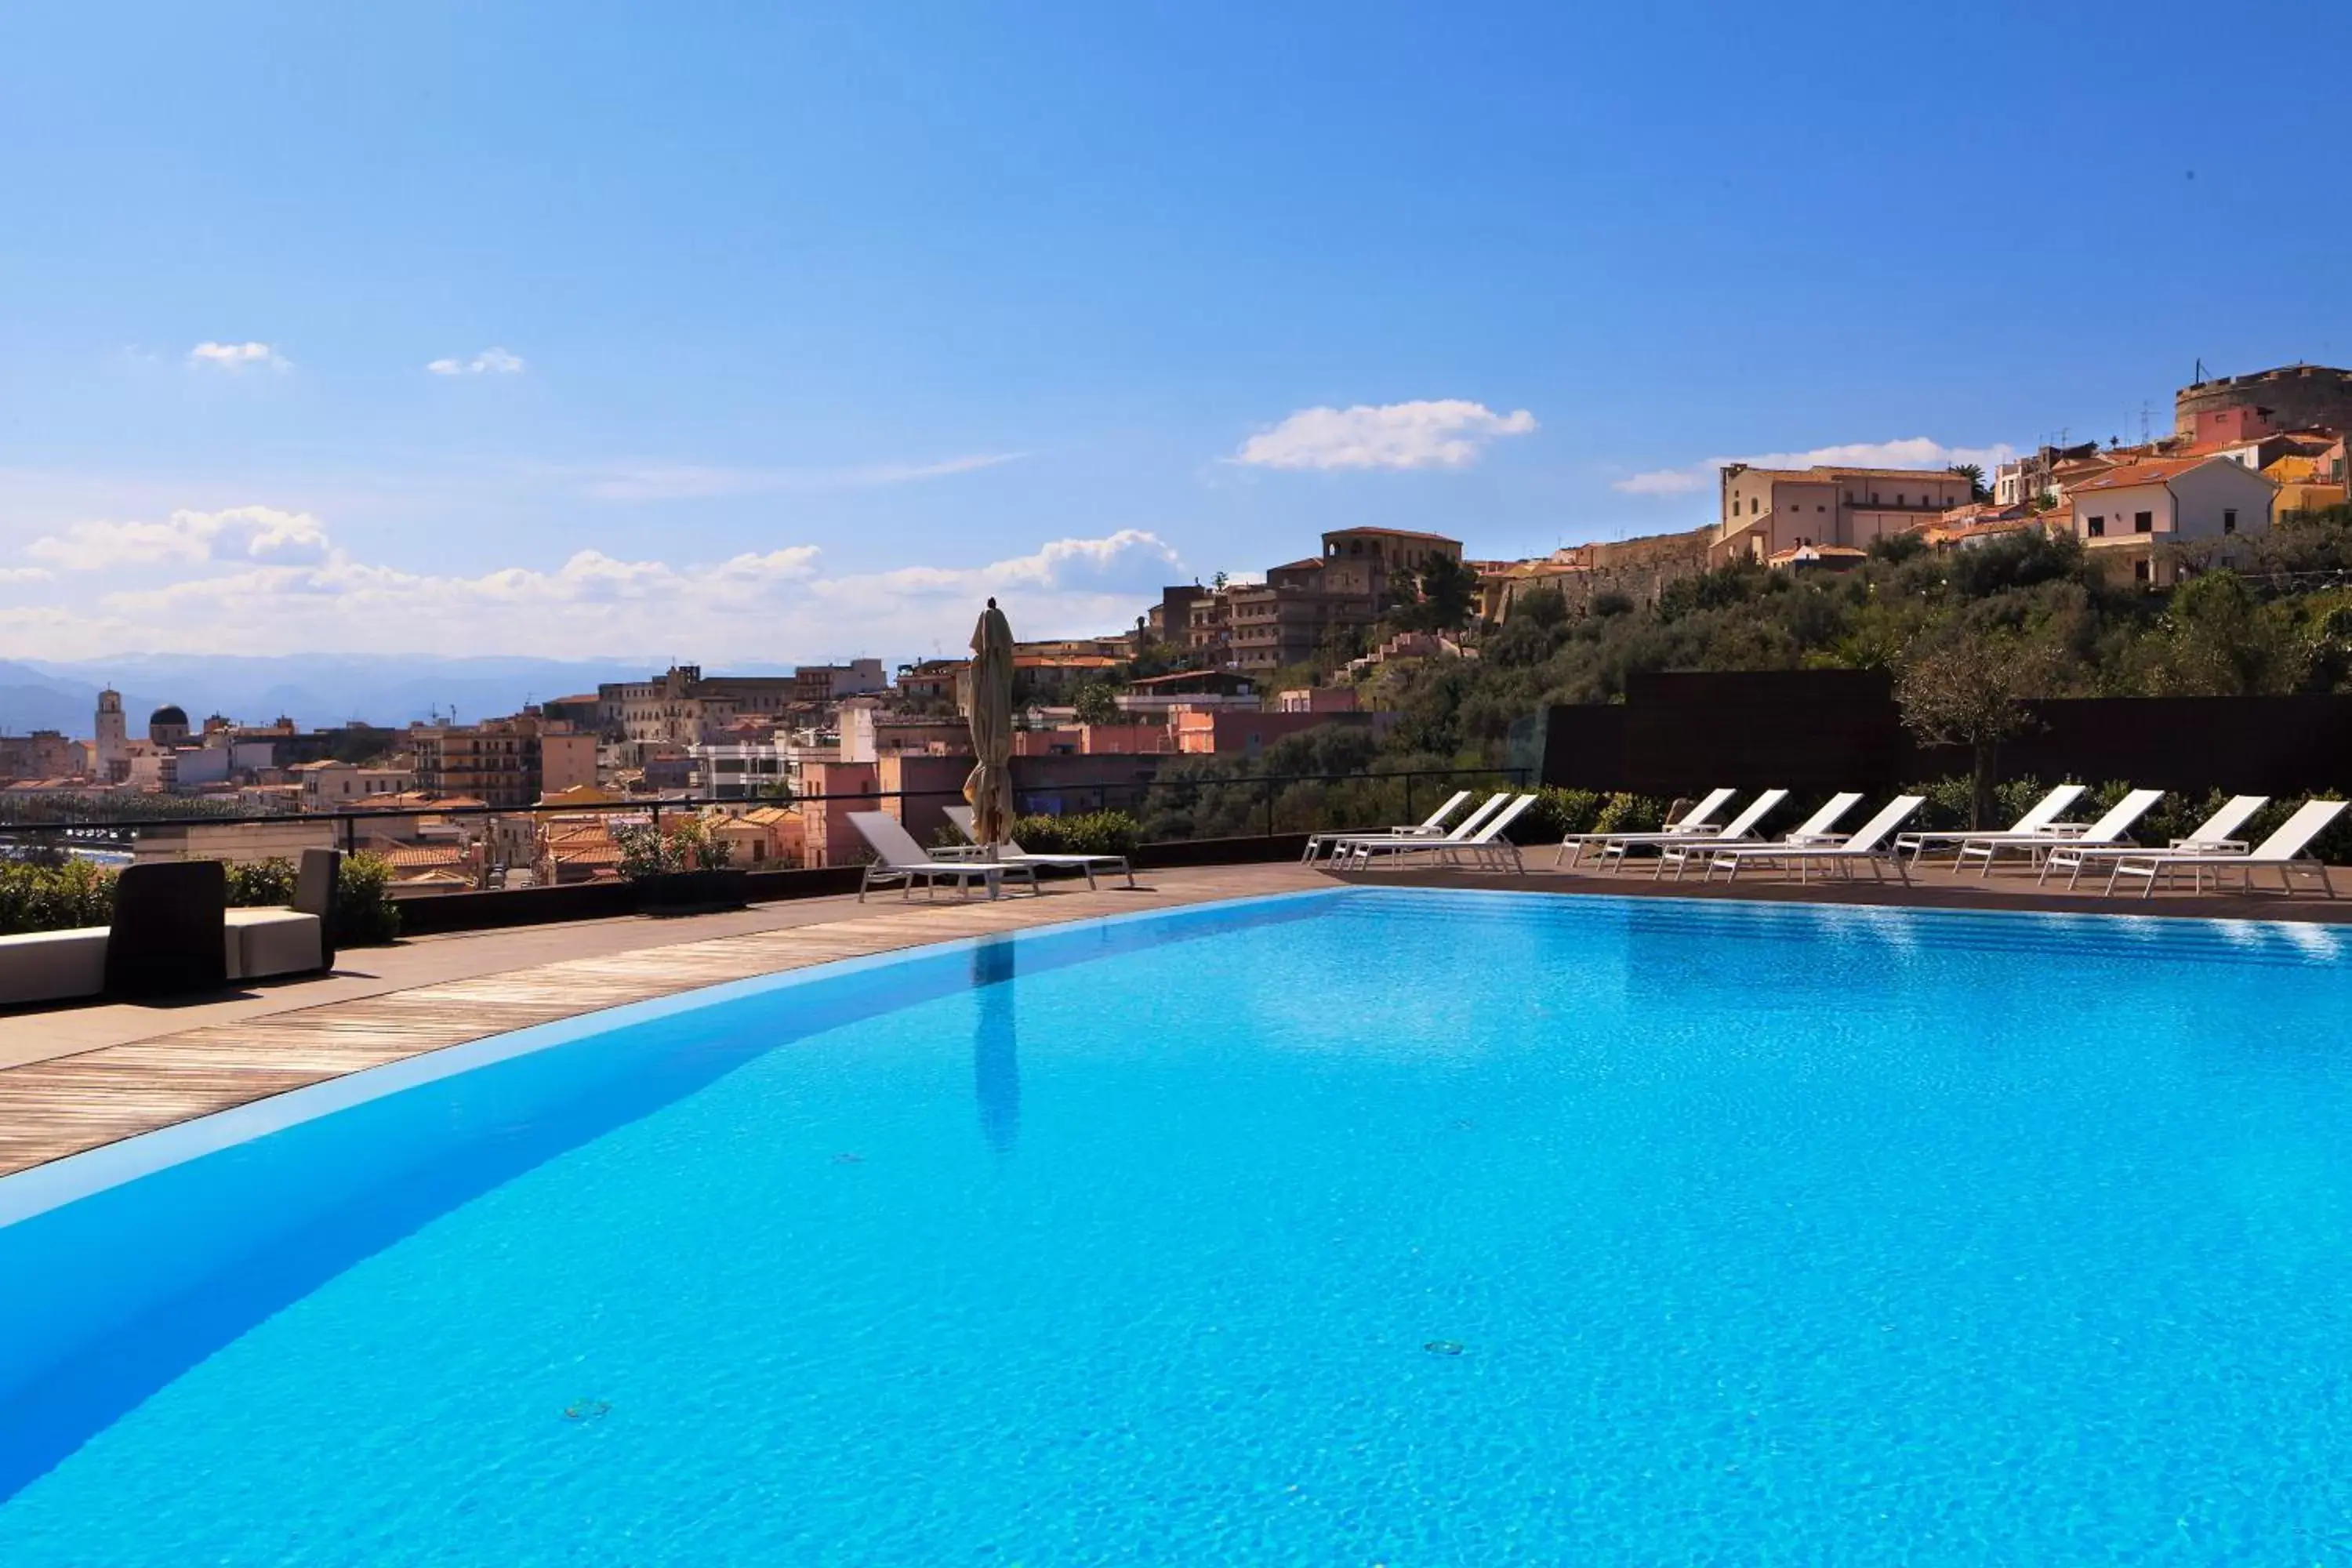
(111, 734)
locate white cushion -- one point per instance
(51, 966)
(262, 942)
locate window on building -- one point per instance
(1874, 498)
(2143, 523)
(2139, 571)
(2229, 520)
(2096, 527)
(1898, 498)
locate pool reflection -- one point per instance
(995, 1046)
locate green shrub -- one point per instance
(1556, 814)
(1945, 809)
(365, 911)
(1084, 833)
(54, 897)
(685, 845)
(1630, 814)
(260, 884)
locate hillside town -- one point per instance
(1219, 670)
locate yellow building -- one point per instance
(2307, 482)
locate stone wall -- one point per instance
(2301, 397)
(1638, 568)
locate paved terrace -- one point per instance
(76, 1078)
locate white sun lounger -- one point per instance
(2284, 849)
(1486, 847)
(898, 859)
(2044, 814)
(1700, 816)
(1340, 842)
(2217, 835)
(1819, 829)
(1862, 850)
(1612, 853)
(1430, 827)
(2108, 829)
(1011, 852)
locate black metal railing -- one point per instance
(1242, 800)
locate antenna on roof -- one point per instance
(2198, 378)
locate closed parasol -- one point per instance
(990, 787)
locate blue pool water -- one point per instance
(1376, 1227)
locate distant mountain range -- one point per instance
(313, 690)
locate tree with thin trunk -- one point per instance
(1972, 691)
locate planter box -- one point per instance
(692, 893)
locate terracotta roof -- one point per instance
(1819, 553)
(1980, 529)
(2153, 472)
(1826, 473)
(1306, 564)
(1399, 533)
(418, 856)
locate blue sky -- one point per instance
(781, 332)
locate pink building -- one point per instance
(921, 786)
(1094, 740)
(1315, 700)
(829, 838)
(1244, 734)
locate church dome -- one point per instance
(168, 714)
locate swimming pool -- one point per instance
(1379, 1226)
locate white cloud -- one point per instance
(277, 585)
(490, 361)
(24, 574)
(1913, 452)
(1125, 564)
(257, 532)
(237, 357)
(685, 481)
(1444, 433)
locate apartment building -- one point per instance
(1769, 512)
(932, 682)
(2127, 517)
(1379, 563)
(330, 785)
(682, 707)
(43, 755)
(818, 684)
(501, 761)
(1262, 627)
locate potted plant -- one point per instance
(681, 869)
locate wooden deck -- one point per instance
(62, 1106)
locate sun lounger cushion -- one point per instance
(52, 965)
(263, 942)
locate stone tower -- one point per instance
(110, 734)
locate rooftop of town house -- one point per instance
(2155, 472)
(1824, 473)
(412, 856)
(1390, 533)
